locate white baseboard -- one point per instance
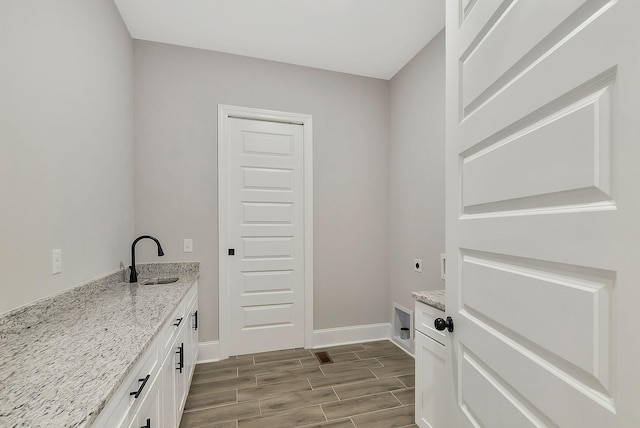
(352, 334)
(208, 351)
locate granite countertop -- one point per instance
(433, 298)
(62, 358)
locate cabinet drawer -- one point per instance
(425, 316)
(124, 404)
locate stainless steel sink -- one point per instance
(161, 281)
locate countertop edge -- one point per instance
(433, 298)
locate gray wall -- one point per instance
(416, 162)
(177, 91)
(66, 132)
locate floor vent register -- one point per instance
(324, 357)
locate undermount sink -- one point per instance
(160, 281)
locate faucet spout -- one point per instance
(134, 274)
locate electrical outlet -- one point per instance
(188, 245)
(417, 265)
(56, 257)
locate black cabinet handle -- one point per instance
(178, 322)
(181, 359)
(195, 318)
(148, 425)
(137, 393)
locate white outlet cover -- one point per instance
(56, 258)
(188, 245)
(417, 265)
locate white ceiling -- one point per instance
(374, 38)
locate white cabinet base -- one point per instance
(163, 394)
(433, 380)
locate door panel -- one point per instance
(266, 226)
(542, 209)
(563, 158)
(494, 55)
(267, 178)
(488, 402)
(578, 332)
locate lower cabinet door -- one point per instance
(148, 415)
(169, 406)
(181, 378)
(432, 383)
(191, 350)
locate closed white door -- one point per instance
(265, 235)
(543, 212)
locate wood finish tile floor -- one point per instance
(368, 385)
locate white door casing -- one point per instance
(543, 205)
(265, 215)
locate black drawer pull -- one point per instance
(181, 359)
(148, 425)
(195, 316)
(137, 393)
(179, 320)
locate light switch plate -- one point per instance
(56, 258)
(417, 265)
(188, 245)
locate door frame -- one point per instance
(224, 113)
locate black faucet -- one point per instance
(134, 274)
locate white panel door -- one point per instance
(543, 212)
(266, 232)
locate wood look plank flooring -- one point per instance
(368, 385)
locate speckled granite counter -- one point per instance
(433, 298)
(62, 358)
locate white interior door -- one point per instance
(543, 149)
(266, 231)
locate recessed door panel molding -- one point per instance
(489, 402)
(269, 281)
(495, 59)
(536, 380)
(577, 336)
(558, 161)
(466, 6)
(266, 216)
(267, 247)
(267, 144)
(267, 178)
(473, 27)
(268, 316)
(264, 212)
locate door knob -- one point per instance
(440, 324)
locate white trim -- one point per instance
(208, 352)
(352, 334)
(224, 112)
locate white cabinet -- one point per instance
(179, 364)
(433, 381)
(149, 414)
(154, 394)
(169, 402)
